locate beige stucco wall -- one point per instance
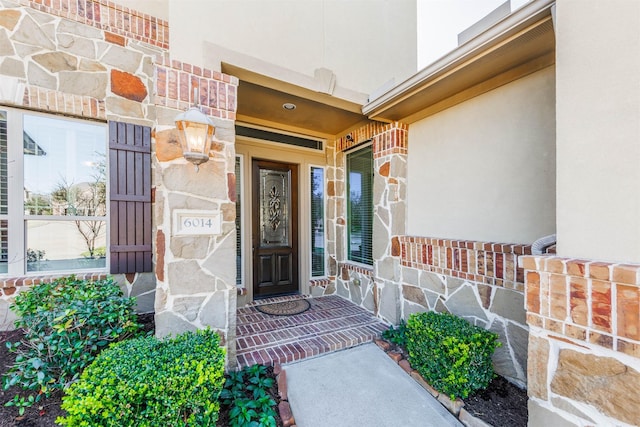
(485, 169)
(364, 42)
(598, 113)
(157, 8)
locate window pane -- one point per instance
(317, 222)
(64, 167)
(360, 205)
(4, 248)
(238, 223)
(65, 245)
(3, 163)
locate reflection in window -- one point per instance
(317, 222)
(64, 180)
(64, 167)
(360, 205)
(57, 246)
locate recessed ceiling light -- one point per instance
(289, 106)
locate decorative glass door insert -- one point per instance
(274, 212)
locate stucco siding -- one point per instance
(365, 42)
(485, 169)
(598, 129)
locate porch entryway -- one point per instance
(332, 323)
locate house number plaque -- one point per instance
(196, 223)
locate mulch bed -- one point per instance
(42, 415)
(45, 413)
(502, 404)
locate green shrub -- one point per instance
(66, 323)
(450, 353)
(150, 382)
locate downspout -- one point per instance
(539, 246)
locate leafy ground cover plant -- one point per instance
(397, 336)
(147, 382)
(450, 353)
(66, 323)
(247, 394)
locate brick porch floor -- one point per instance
(332, 323)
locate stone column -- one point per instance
(390, 215)
(196, 274)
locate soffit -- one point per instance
(260, 100)
(522, 49)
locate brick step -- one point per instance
(311, 346)
(319, 310)
(313, 324)
(266, 334)
(332, 323)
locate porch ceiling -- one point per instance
(521, 44)
(260, 101)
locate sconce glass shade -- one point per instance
(196, 131)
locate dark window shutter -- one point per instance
(130, 197)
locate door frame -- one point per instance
(294, 223)
(249, 149)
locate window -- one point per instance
(238, 171)
(4, 202)
(56, 193)
(317, 222)
(360, 205)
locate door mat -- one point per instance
(285, 308)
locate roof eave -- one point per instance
(522, 18)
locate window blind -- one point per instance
(360, 205)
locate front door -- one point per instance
(274, 228)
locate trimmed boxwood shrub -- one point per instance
(66, 323)
(453, 355)
(150, 382)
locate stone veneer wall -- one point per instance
(478, 281)
(375, 287)
(584, 342)
(77, 59)
(98, 60)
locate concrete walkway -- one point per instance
(360, 386)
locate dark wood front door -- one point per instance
(274, 228)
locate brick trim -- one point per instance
(346, 267)
(320, 282)
(585, 300)
(387, 138)
(392, 141)
(8, 285)
(74, 105)
(118, 23)
(174, 85)
(484, 262)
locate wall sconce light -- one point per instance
(195, 130)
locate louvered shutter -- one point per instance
(130, 197)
